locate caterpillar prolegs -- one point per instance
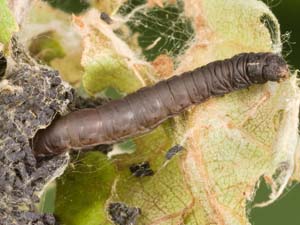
(145, 109)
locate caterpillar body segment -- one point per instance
(145, 109)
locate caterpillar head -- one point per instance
(266, 67)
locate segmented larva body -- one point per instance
(145, 109)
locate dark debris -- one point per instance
(103, 148)
(29, 98)
(173, 151)
(3, 65)
(141, 169)
(121, 214)
(80, 102)
(106, 18)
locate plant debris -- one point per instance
(30, 96)
(141, 169)
(173, 151)
(3, 65)
(121, 214)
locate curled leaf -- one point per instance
(107, 60)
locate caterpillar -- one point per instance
(143, 110)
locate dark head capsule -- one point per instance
(266, 67)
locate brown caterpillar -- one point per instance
(145, 109)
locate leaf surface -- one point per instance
(229, 142)
(8, 24)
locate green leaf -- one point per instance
(83, 190)
(8, 24)
(69, 6)
(109, 71)
(109, 7)
(52, 40)
(169, 41)
(105, 61)
(46, 47)
(47, 200)
(87, 184)
(296, 175)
